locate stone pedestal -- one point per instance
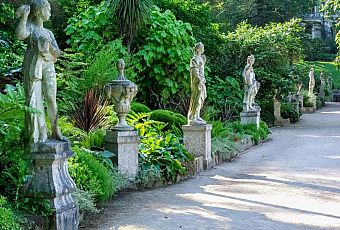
(124, 144)
(51, 181)
(279, 121)
(197, 140)
(251, 117)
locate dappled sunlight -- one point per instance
(331, 112)
(130, 227)
(301, 218)
(284, 200)
(318, 136)
(194, 210)
(333, 158)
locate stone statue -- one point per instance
(251, 86)
(311, 81)
(198, 89)
(39, 73)
(294, 77)
(122, 92)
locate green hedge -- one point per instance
(139, 108)
(174, 120)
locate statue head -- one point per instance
(199, 48)
(40, 9)
(251, 59)
(120, 64)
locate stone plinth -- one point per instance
(197, 140)
(251, 117)
(51, 181)
(279, 121)
(308, 109)
(124, 144)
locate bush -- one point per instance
(165, 55)
(309, 100)
(90, 174)
(224, 146)
(257, 134)
(225, 95)
(7, 218)
(288, 111)
(139, 108)
(91, 29)
(174, 120)
(159, 152)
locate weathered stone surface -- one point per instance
(279, 121)
(198, 89)
(124, 144)
(122, 92)
(197, 140)
(251, 86)
(39, 72)
(52, 181)
(251, 117)
(308, 109)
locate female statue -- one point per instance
(251, 86)
(198, 89)
(39, 73)
(311, 81)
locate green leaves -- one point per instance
(159, 150)
(165, 57)
(90, 29)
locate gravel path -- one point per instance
(291, 182)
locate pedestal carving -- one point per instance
(51, 181)
(124, 144)
(197, 140)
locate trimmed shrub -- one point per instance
(139, 108)
(174, 120)
(90, 174)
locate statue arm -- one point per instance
(53, 48)
(22, 30)
(195, 69)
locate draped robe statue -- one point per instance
(311, 81)
(39, 73)
(198, 89)
(251, 86)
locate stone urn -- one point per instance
(122, 91)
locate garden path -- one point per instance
(291, 182)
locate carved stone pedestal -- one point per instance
(197, 140)
(51, 181)
(251, 117)
(124, 144)
(279, 121)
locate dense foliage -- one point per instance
(91, 174)
(164, 59)
(160, 151)
(7, 217)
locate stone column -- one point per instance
(197, 140)
(51, 181)
(316, 30)
(124, 144)
(251, 117)
(279, 121)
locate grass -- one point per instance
(329, 68)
